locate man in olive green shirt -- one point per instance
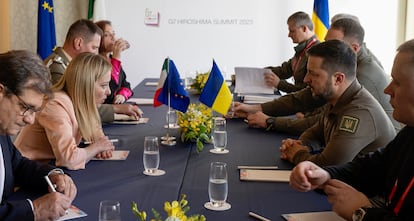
(369, 73)
(85, 36)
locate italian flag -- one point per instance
(161, 82)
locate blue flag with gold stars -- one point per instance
(46, 34)
(173, 91)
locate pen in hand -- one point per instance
(52, 186)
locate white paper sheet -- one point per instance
(314, 216)
(251, 80)
(141, 101)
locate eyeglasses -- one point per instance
(27, 109)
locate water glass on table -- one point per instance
(109, 210)
(219, 136)
(151, 156)
(218, 187)
(171, 119)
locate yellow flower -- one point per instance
(195, 124)
(175, 210)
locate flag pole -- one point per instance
(167, 139)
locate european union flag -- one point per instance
(173, 91)
(216, 94)
(320, 18)
(46, 34)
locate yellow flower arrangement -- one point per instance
(199, 81)
(176, 211)
(195, 125)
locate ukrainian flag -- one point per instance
(320, 18)
(216, 94)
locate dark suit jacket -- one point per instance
(23, 173)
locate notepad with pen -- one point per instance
(265, 175)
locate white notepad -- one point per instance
(116, 155)
(72, 213)
(150, 83)
(141, 101)
(314, 216)
(265, 175)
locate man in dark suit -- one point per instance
(24, 84)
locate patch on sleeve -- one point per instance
(349, 124)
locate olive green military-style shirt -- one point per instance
(356, 125)
(370, 75)
(294, 67)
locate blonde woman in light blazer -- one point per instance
(71, 116)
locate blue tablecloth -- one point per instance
(187, 172)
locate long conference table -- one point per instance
(187, 172)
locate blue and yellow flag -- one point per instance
(216, 94)
(173, 92)
(46, 34)
(320, 18)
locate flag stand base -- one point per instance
(169, 142)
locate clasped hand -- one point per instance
(290, 147)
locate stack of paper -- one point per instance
(257, 99)
(251, 80)
(125, 119)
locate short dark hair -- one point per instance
(21, 69)
(301, 19)
(83, 28)
(407, 47)
(351, 29)
(337, 56)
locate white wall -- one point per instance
(262, 41)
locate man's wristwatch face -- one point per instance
(358, 214)
(269, 123)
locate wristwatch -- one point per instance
(269, 123)
(359, 214)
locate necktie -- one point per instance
(2, 174)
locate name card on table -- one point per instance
(314, 216)
(265, 175)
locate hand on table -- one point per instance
(128, 109)
(119, 99)
(257, 119)
(242, 110)
(308, 176)
(289, 148)
(103, 147)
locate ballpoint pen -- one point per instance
(52, 186)
(257, 216)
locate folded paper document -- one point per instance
(251, 80)
(141, 101)
(314, 216)
(265, 175)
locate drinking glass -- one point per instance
(219, 135)
(172, 119)
(217, 186)
(151, 156)
(109, 210)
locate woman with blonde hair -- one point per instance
(71, 116)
